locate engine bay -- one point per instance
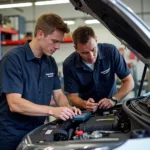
(104, 128)
(108, 125)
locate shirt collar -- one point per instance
(29, 53)
(100, 52)
(78, 62)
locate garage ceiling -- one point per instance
(141, 3)
(15, 1)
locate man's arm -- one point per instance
(76, 100)
(61, 100)
(89, 105)
(126, 87)
(20, 105)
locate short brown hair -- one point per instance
(49, 22)
(82, 34)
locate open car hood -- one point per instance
(122, 22)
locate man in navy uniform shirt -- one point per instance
(28, 79)
(89, 72)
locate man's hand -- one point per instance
(106, 103)
(63, 113)
(77, 111)
(91, 105)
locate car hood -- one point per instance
(122, 22)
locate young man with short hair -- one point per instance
(28, 80)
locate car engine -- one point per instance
(104, 128)
(111, 124)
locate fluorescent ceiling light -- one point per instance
(70, 22)
(15, 5)
(94, 21)
(51, 2)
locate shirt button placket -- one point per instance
(95, 78)
(40, 83)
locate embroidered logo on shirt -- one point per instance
(105, 71)
(49, 74)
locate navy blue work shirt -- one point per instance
(35, 79)
(100, 82)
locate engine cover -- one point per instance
(100, 123)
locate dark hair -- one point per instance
(49, 22)
(82, 34)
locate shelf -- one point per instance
(9, 42)
(67, 40)
(20, 42)
(8, 31)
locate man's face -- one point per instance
(88, 51)
(50, 43)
